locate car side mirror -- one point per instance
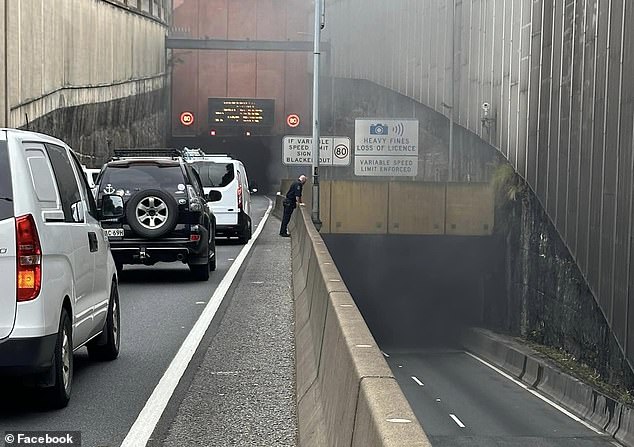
(111, 207)
(77, 212)
(214, 196)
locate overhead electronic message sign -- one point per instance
(241, 112)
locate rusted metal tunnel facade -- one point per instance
(558, 76)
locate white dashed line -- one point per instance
(200, 302)
(415, 379)
(457, 421)
(399, 421)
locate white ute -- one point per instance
(59, 281)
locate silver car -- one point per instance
(59, 281)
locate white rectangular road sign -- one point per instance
(397, 166)
(386, 147)
(333, 151)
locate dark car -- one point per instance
(166, 215)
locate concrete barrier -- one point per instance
(346, 392)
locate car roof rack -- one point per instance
(149, 152)
(194, 153)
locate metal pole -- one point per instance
(316, 136)
(453, 49)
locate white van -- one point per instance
(228, 176)
(58, 277)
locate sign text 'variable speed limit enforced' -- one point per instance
(333, 151)
(386, 147)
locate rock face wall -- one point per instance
(547, 299)
(94, 130)
(85, 71)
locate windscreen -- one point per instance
(6, 191)
(213, 174)
(139, 177)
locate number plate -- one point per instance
(114, 233)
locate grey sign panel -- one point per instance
(386, 147)
(334, 151)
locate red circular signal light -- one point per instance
(187, 118)
(292, 120)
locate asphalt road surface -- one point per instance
(462, 402)
(159, 306)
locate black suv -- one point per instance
(166, 216)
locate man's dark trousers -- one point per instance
(288, 212)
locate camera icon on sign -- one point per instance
(378, 129)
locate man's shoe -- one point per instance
(285, 235)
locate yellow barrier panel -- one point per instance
(358, 207)
(416, 208)
(470, 209)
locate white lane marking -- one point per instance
(536, 394)
(145, 423)
(399, 421)
(363, 346)
(231, 259)
(200, 302)
(385, 354)
(457, 421)
(257, 282)
(400, 366)
(415, 379)
(346, 305)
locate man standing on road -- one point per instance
(293, 198)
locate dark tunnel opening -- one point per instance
(420, 292)
(255, 152)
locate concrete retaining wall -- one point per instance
(69, 54)
(346, 392)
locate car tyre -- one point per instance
(201, 271)
(212, 253)
(110, 349)
(166, 220)
(59, 393)
(246, 233)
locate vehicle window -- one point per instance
(6, 190)
(83, 183)
(66, 181)
(195, 179)
(138, 177)
(215, 174)
(42, 175)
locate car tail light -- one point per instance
(29, 259)
(239, 193)
(194, 201)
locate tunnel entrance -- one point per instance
(419, 292)
(260, 155)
